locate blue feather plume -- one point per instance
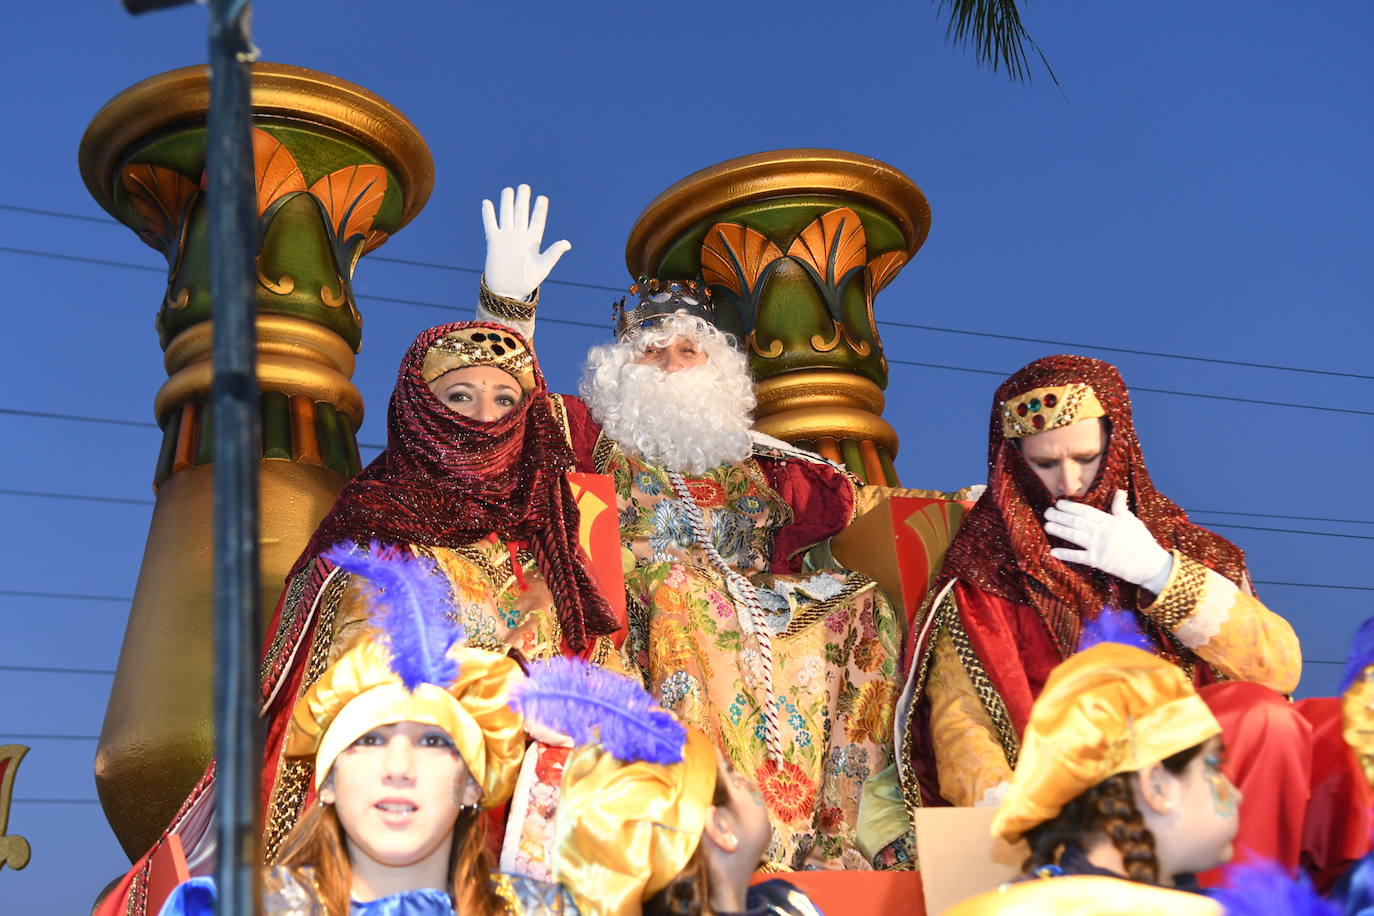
(1361, 655)
(1113, 626)
(1265, 889)
(412, 604)
(590, 704)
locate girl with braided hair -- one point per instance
(1121, 779)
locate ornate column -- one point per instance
(795, 245)
(338, 171)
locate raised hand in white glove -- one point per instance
(1117, 542)
(515, 266)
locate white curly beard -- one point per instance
(690, 421)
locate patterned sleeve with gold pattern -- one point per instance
(516, 314)
(969, 757)
(1227, 627)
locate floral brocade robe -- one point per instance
(834, 639)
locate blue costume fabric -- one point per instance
(1355, 891)
(776, 898)
(286, 894)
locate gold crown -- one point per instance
(660, 300)
(1041, 409)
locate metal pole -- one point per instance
(237, 452)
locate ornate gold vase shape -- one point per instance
(795, 245)
(337, 171)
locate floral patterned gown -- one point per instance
(834, 639)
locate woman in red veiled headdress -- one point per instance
(1070, 524)
(474, 478)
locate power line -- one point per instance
(58, 213)
(16, 737)
(1298, 518)
(50, 670)
(1159, 354)
(1352, 588)
(55, 801)
(1322, 534)
(903, 362)
(1155, 353)
(80, 259)
(71, 596)
(1136, 388)
(82, 497)
(542, 319)
(477, 272)
(48, 415)
(77, 496)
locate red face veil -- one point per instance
(447, 480)
(1002, 548)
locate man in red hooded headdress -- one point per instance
(1070, 524)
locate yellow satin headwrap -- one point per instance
(1085, 895)
(1107, 710)
(360, 692)
(624, 830)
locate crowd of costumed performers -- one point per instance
(463, 712)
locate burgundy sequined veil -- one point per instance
(443, 480)
(1000, 554)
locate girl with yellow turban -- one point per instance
(412, 739)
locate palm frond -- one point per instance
(995, 31)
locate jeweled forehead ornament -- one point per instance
(1041, 409)
(659, 300)
(480, 346)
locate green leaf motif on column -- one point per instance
(321, 244)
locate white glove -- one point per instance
(1117, 543)
(515, 267)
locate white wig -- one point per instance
(691, 420)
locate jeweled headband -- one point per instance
(1041, 409)
(659, 301)
(480, 347)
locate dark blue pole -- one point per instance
(237, 453)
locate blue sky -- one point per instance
(1199, 186)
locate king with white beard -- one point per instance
(790, 672)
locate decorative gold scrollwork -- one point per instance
(179, 301)
(14, 850)
(331, 298)
(861, 347)
(821, 345)
(773, 351)
(283, 287)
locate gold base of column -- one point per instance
(812, 404)
(157, 737)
